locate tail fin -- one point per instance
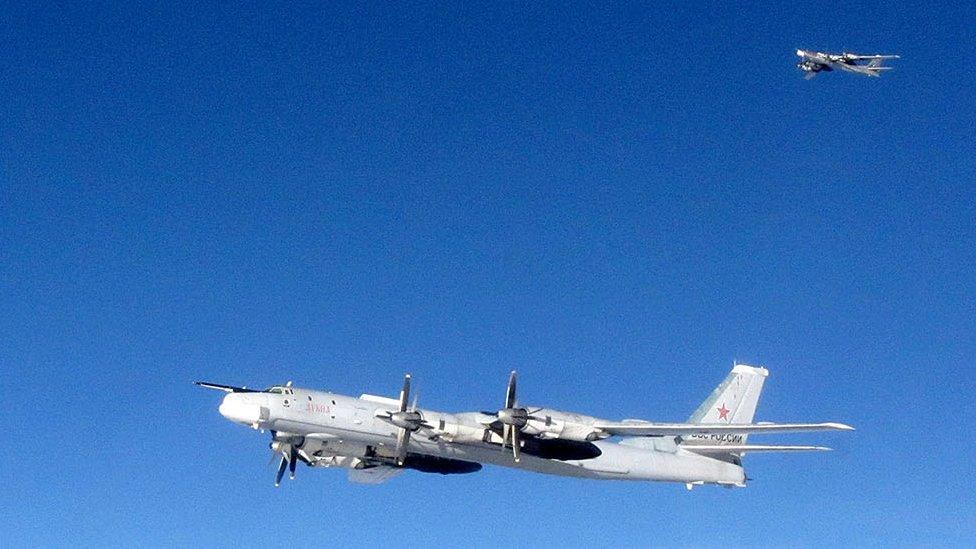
(733, 401)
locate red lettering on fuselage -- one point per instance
(317, 408)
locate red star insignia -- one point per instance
(723, 412)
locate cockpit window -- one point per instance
(275, 391)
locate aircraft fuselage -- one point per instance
(344, 431)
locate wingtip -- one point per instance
(841, 426)
(747, 369)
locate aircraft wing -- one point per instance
(373, 475)
(865, 57)
(743, 448)
(224, 388)
(647, 429)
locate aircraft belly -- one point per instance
(630, 463)
(616, 462)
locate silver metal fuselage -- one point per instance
(348, 425)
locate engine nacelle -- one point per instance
(332, 452)
(551, 428)
(464, 428)
(545, 428)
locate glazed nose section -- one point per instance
(241, 408)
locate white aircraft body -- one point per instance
(375, 437)
(815, 62)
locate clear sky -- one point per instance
(617, 201)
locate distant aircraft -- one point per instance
(813, 62)
(376, 438)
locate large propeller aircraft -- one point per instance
(375, 437)
(814, 62)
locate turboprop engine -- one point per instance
(539, 423)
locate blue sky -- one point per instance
(617, 201)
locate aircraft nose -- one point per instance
(239, 408)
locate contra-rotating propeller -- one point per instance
(408, 421)
(288, 448)
(513, 419)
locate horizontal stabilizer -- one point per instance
(647, 429)
(743, 448)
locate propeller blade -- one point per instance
(403, 439)
(293, 462)
(506, 432)
(405, 393)
(510, 393)
(281, 470)
(515, 445)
